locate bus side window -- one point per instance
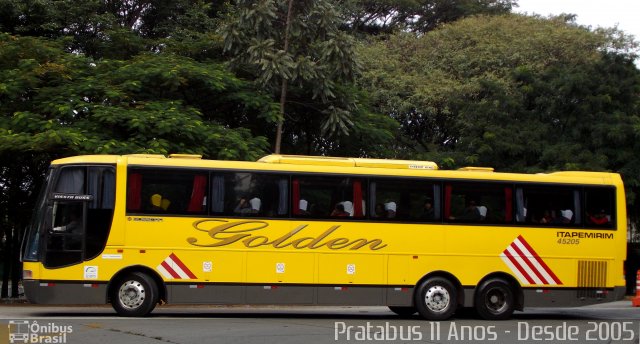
(473, 202)
(599, 211)
(403, 200)
(328, 197)
(548, 206)
(249, 194)
(158, 191)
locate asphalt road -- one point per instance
(616, 322)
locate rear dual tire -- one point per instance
(495, 300)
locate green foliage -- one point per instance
(318, 62)
(513, 92)
(63, 104)
(387, 16)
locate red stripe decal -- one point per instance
(182, 266)
(537, 257)
(529, 263)
(519, 267)
(170, 270)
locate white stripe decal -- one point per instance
(164, 272)
(513, 269)
(173, 268)
(176, 268)
(534, 261)
(521, 262)
(528, 266)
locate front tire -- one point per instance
(495, 300)
(134, 295)
(436, 299)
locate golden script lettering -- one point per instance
(226, 233)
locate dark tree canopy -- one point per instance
(386, 16)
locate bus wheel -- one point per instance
(495, 300)
(403, 311)
(436, 299)
(134, 295)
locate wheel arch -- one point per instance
(517, 288)
(162, 287)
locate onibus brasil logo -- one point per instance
(24, 331)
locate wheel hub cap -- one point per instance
(495, 300)
(437, 299)
(131, 294)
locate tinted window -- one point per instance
(599, 207)
(166, 192)
(406, 200)
(478, 203)
(71, 180)
(249, 194)
(555, 206)
(328, 197)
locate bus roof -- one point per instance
(348, 162)
(337, 165)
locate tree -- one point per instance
(55, 103)
(517, 93)
(285, 44)
(387, 16)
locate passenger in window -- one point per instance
(348, 207)
(338, 211)
(390, 207)
(156, 202)
(565, 217)
(483, 212)
(471, 213)
(74, 225)
(165, 204)
(302, 208)
(256, 205)
(427, 210)
(243, 207)
(379, 212)
(548, 217)
(600, 218)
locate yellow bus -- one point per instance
(137, 230)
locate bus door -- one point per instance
(79, 215)
(65, 237)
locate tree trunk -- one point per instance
(16, 267)
(283, 90)
(283, 99)
(6, 264)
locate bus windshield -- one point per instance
(32, 235)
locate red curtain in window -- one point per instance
(197, 193)
(447, 201)
(296, 196)
(508, 204)
(134, 192)
(357, 198)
